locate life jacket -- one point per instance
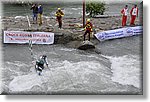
(41, 61)
(59, 14)
(88, 26)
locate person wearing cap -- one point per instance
(40, 12)
(134, 14)
(59, 14)
(88, 29)
(40, 64)
(124, 12)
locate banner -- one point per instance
(119, 33)
(22, 37)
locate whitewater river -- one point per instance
(117, 70)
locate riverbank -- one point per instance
(72, 27)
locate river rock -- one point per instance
(86, 45)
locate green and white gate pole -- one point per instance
(30, 47)
(30, 39)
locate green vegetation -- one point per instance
(95, 8)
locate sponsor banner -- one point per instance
(119, 33)
(22, 37)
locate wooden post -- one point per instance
(29, 24)
(83, 13)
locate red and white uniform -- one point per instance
(124, 16)
(134, 14)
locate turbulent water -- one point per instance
(48, 10)
(117, 70)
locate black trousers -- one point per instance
(87, 32)
(59, 22)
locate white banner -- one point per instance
(119, 33)
(22, 37)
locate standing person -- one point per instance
(34, 8)
(124, 12)
(59, 15)
(40, 12)
(40, 64)
(88, 29)
(134, 14)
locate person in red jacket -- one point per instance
(88, 29)
(124, 12)
(134, 14)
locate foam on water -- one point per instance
(20, 17)
(76, 9)
(91, 76)
(72, 12)
(25, 82)
(66, 49)
(66, 75)
(126, 70)
(17, 63)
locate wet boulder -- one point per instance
(86, 45)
